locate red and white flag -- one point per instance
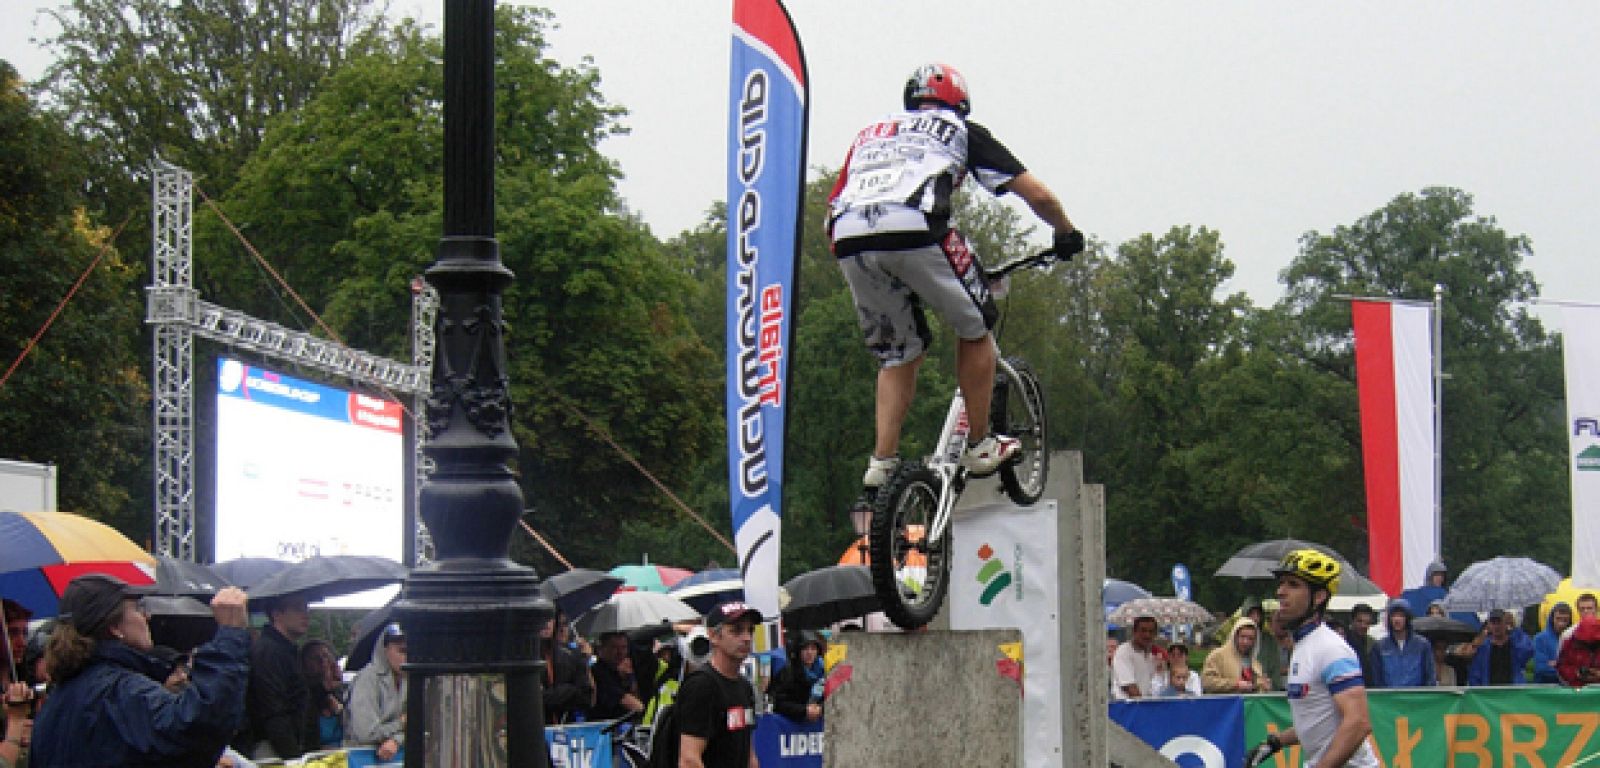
(1394, 378)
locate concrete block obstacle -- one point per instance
(923, 699)
(935, 698)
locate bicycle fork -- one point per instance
(948, 467)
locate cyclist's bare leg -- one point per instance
(896, 386)
(975, 363)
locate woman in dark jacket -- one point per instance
(108, 707)
(797, 690)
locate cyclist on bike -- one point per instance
(1327, 697)
(889, 225)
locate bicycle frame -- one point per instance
(952, 444)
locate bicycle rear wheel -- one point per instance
(909, 573)
(1017, 410)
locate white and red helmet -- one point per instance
(938, 82)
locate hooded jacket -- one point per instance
(794, 687)
(1580, 654)
(377, 700)
(1546, 646)
(1398, 664)
(115, 712)
(1521, 652)
(1224, 667)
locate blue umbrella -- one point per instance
(1115, 592)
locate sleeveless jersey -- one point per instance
(1322, 665)
(895, 188)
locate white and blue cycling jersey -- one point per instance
(1322, 665)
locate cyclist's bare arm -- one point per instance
(1354, 726)
(1044, 203)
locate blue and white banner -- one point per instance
(1194, 733)
(1580, 338)
(766, 180)
(783, 743)
(583, 745)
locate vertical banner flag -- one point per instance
(766, 180)
(1580, 337)
(1394, 381)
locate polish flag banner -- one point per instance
(1394, 380)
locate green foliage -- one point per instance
(78, 399)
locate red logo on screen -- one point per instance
(375, 412)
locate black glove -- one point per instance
(1068, 244)
(1263, 751)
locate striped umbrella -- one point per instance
(649, 578)
(42, 552)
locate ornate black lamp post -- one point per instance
(472, 616)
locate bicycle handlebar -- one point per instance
(1041, 260)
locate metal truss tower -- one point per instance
(178, 315)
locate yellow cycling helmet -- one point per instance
(1317, 569)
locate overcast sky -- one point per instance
(1259, 120)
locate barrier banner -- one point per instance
(579, 745)
(766, 177)
(1194, 733)
(1464, 728)
(784, 743)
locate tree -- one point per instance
(78, 400)
(344, 197)
(1504, 481)
(196, 82)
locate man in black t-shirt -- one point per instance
(716, 707)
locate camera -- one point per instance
(695, 647)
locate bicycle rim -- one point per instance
(1018, 411)
(909, 573)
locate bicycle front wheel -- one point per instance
(1018, 410)
(909, 573)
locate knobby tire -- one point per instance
(1017, 410)
(911, 497)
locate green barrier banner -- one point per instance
(1532, 727)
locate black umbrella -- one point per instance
(179, 622)
(324, 576)
(246, 572)
(828, 595)
(366, 633)
(578, 590)
(181, 578)
(1257, 561)
(1444, 628)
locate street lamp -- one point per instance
(861, 520)
(472, 616)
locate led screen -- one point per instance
(304, 469)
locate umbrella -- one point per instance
(366, 633)
(1167, 611)
(1512, 583)
(579, 589)
(327, 576)
(650, 578)
(708, 589)
(246, 572)
(1257, 561)
(829, 595)
(179, 622)
(1445, 629)
(41, 552)
(1115, 592)
(181, 578)
(632, 610)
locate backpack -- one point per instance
(665, 734)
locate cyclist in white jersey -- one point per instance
(1327, 696)
(889, 225)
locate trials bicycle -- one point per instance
(909, 539)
